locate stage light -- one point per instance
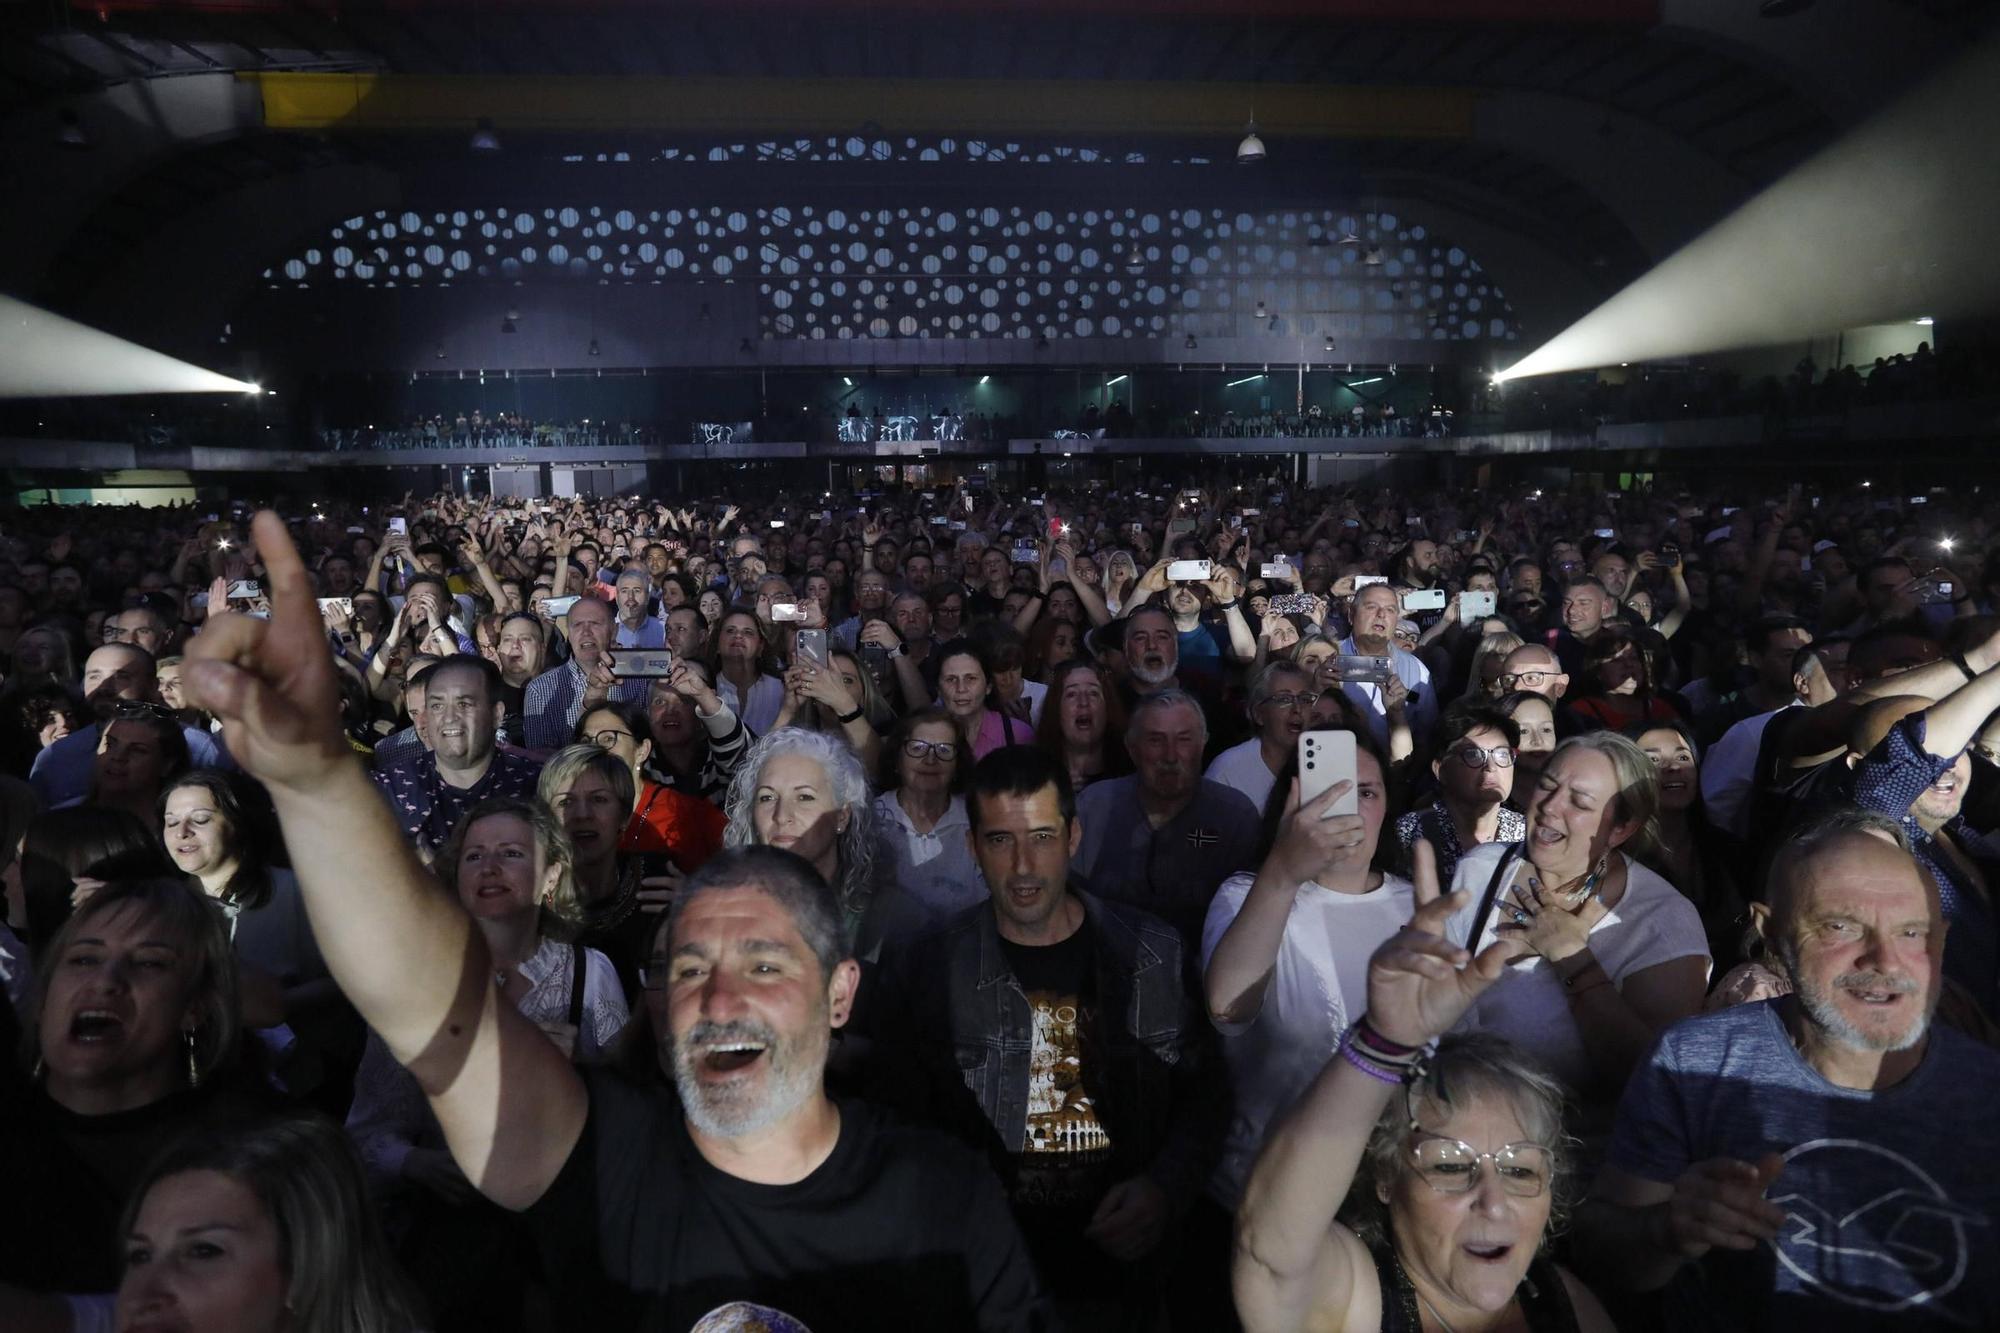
(46, 356)
(1120, 380)
(1252, 147)
(1946, 543)
(984, 378)
(507, 322)
(1245, 380)
(850, 383)
(1893, 217)
(594, 349)
(1262, 312)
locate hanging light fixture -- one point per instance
(485, 139)
(595, 350)
(507, 323)
(1373, 259)
(1263, 311)
(1252, 147)
(1190, 343)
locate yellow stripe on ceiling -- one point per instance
(1049, 107)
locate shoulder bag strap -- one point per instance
(1493, 885)
(576, 988)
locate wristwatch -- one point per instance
(846, 718)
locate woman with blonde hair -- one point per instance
(1482, 678)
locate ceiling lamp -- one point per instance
(1263, 311)
(1190, 343)
(595, 350)
(507, 322)
(1350, 237)
(1329, 342)
(1373, 259)
(1042, 341)
(1252, 147)
(484, 138)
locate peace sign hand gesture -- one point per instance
(1419, 983)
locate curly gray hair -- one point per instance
(855, 883)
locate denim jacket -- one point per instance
(954, 1035)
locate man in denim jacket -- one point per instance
(1053, 1028)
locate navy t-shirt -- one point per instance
(900, 1227)
(1892, 1198)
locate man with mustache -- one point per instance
(1817, 1160)
(1163, 838)
(743, 1180)
(1094, 1092)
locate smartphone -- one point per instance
(400, 526)
(1670, 552)
(245, 590)
(1026, 554)
(1357, 670)
(1180, 527)
(344, 605)
(1367, 580)
(1281, 571)
(1424, 599)
(1191, 571)
(626, 662)
(1476, 605)
(1920, 499)
(939, 520)
(1295, 604)
(355, 529)
(811, 647)
(1253, 513)
(1138, 528)
(1606, 533)
(1350, 522)
(559, 606)
(199, 601)
(1056, 527)
(786, 611)
(1327, 757)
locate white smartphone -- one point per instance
(786, 611)
(1424, 599)
(1327, 757)
(1473, 605)
(559, 606)
(626, 663)
(1278, 570)
(345, 605)
(400, 526)
(245, 590)
(1366, 580)
(1191, 571)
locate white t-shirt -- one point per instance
(1318, 986)
(1651, 924)
(1243, 767)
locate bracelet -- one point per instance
(1367, 1066)
(1569, 981)
(1229, 605)
(846, 718)
(1575, 991)
(1364, 1034)
(1958, 660)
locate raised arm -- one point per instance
(509, 1103)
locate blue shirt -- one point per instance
(1891, 1198)
(61, 773)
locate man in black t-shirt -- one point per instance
(1053, 1028)
(657, 1200)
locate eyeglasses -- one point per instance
(1300, 699)
(131, 709)
(1514, 680)
(1500, 756)
(1451, 1167)
(608, 738)
(946, 751)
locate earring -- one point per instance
(194, 1069)
(35, 1074)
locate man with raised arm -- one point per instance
(736, 1180)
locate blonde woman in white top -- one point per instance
(1285, 955)
(1615, 954)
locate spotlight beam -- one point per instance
(46, 356)
(1892, 221)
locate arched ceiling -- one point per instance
(1597, 135)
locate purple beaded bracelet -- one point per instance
(1367, 1066)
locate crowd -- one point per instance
(1192, 907)
(476, 430)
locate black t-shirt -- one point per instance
(900, 1227)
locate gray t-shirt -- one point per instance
(1892, 1198)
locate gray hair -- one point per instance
(1468, 1067)
(1264, 684)
(788, 878)
(1153, 703)
(1813, 838)
(856, 882)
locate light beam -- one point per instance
(46, 356)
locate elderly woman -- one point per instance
(921, 814)
(1452, 1161)
(304, 1253)
(132, 1027)
(806, 792)
(1613, 955)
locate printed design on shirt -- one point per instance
(1066, 1145)
(743, 1317)
(1202, 837)
(1897, 1248)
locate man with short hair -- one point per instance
(1282, 696)
(638, 627)
(559, 696)
(115, 674)
(464, 765)
(1730, 766)
(141, 626)
(1534, 669)
(1377, 608)
(745, 1182)
(871, 602)
(1097, 1096)
(686, 632)
(1163, 838)
(1585, 607)
(1768, 646)
(1816, 1161)
(918, 569)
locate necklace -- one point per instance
(1441, 1321)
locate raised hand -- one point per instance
(1419, 983)
(1720, 1204)
(272, 682)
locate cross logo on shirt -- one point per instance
(1202, 837)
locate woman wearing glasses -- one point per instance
(1613, 955)
(922, 816)
(1474, 751)
(1453, 1163)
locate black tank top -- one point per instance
(1543, 1298)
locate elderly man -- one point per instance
(558, 697)
(744, 1181)
(871, 602)
(1818, 1160)
(1533, 668)
(113, 675)
(637, 626)
(462, 711)
(1163, 838)
(1106, 1153)
(1376, 610)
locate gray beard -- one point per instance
(1146, 676)
(728, 1113)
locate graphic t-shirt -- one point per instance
(1892, 1203)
